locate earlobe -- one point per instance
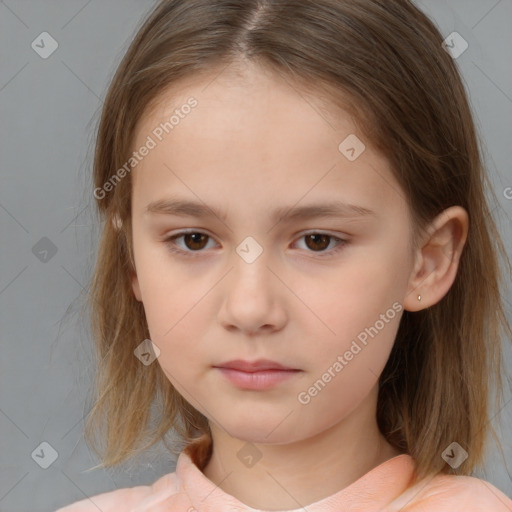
(118, 223)
(437, 260)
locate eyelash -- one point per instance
(169, 242)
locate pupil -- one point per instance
(194, 241)
(315, 238)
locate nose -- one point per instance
(254, 297)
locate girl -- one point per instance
(298, 263)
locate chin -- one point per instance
(268, 430)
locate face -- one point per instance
(319, 294)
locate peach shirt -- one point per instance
(382, 489)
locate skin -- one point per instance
(254, 143)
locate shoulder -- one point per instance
(130, 498)
(449, 493)
(120, 499)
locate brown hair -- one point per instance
(383, 63)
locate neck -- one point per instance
(290, 476)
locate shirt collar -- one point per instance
(371, 492)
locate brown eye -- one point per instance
(192, 244)
(195, 241)
(317, 242)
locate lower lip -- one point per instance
(263, 379)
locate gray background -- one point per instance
(48, 110)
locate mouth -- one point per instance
(253, 366)
(256, 375)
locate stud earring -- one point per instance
(419, 297)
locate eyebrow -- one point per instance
(335, 209)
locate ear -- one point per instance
(136, 286)
(117, 222)
(436, 261)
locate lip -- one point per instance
(257, 375)
(253, 366)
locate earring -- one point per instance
(419, 297)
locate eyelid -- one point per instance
(169, 241)
(342, 241)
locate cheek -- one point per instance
(349, 367)
(174, 312)
(166, 293)
(353, 296)
(357, 311)
(172, 309)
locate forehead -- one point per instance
(245, 88)
(259, 134)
